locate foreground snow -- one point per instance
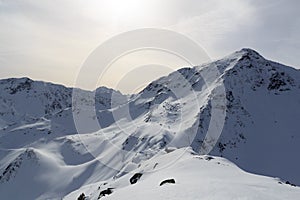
(196, 177)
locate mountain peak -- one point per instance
(248, 53)
(248, 50)
(238, 59)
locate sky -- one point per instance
(51, 39)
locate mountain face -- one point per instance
(38, 109)
(262, 114)
(251, 101)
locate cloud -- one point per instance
(271, 27)
(45, 39)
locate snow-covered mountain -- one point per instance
(38, 108)
(156, 134)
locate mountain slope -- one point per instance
(195, 177)
(262, 114)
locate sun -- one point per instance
(122, 12)
(126, 8)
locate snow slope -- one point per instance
(42, 155)
(196, 177)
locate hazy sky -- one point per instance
(50, 39)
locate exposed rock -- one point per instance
(171, 181)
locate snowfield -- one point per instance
(156, 136)
(196, 177)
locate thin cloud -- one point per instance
(41, 38)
